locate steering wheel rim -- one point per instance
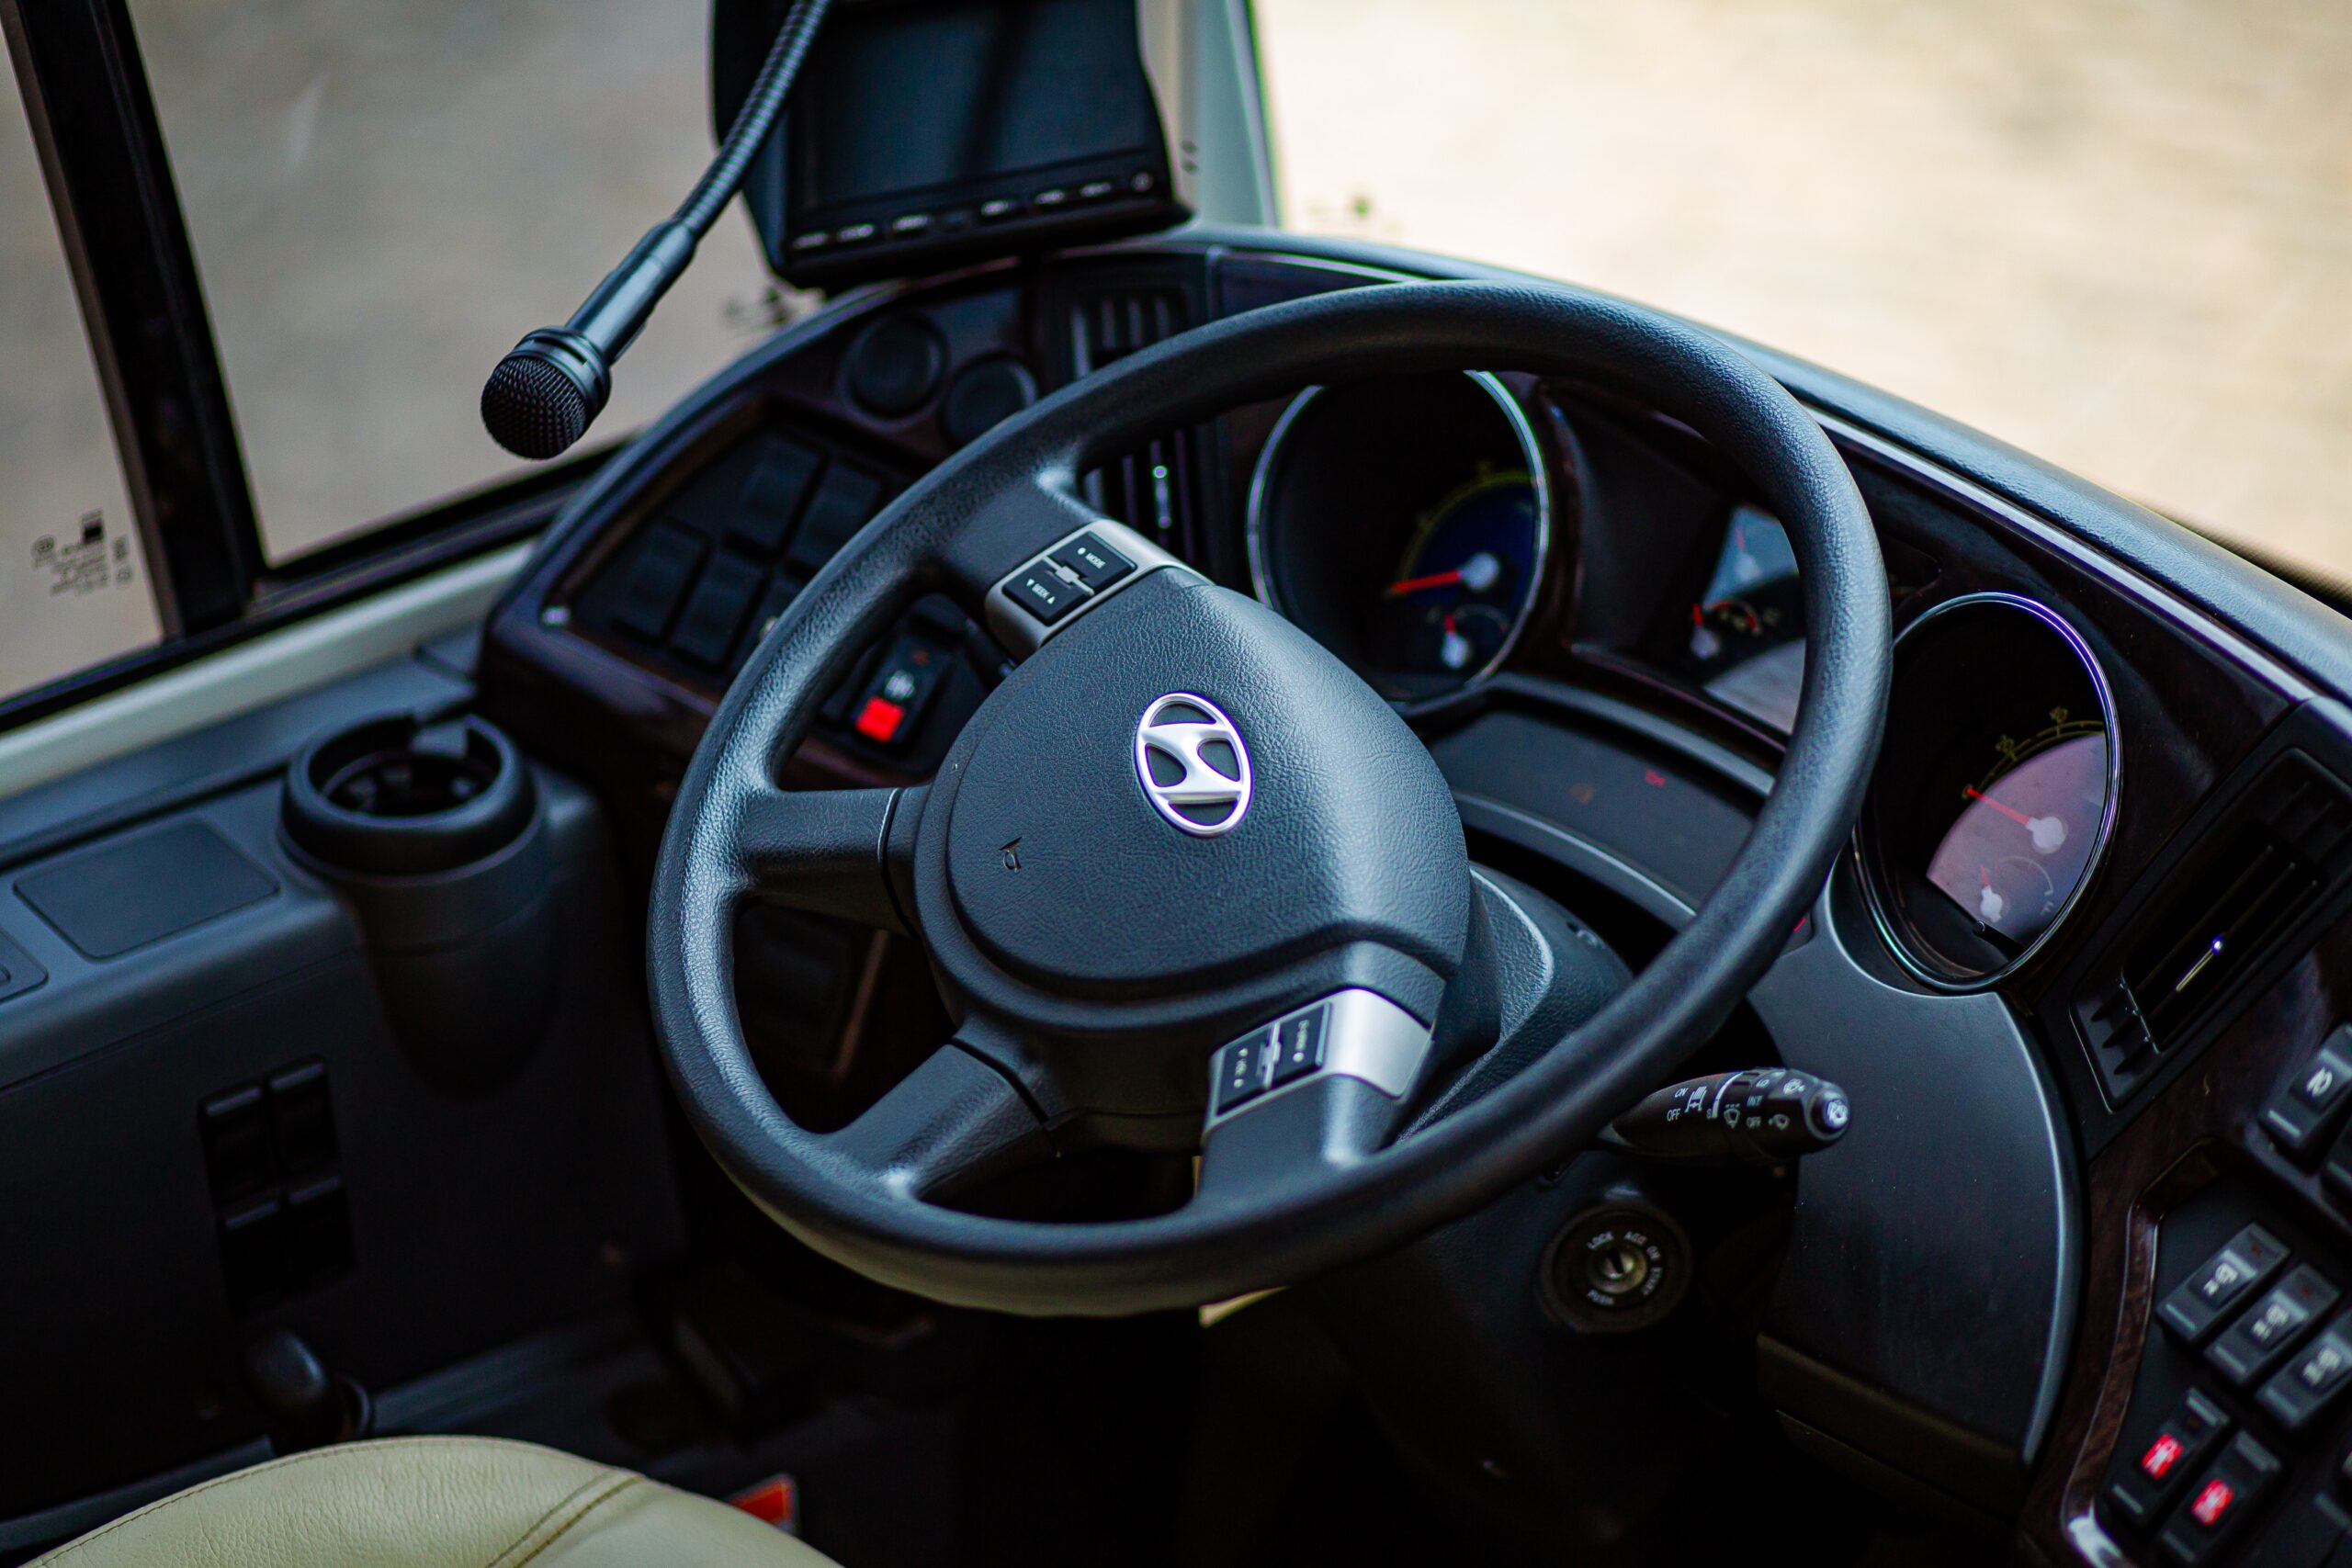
(1001, 502)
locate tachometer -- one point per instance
(1994, 790)
(1404, 522)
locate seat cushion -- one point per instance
(434, 1503)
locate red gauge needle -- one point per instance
(1416, 584)
(1477, 574)
(2048, 833)
(2011, 812)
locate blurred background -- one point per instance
(2116, 232)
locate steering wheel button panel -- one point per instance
(1044, 594)
(1076, 573)
(1241, 1071)
(2195, 1309)
(1095, 564)
(2272, 1326)
(1353, 1034)
(1298, 1045)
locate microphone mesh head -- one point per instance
(532, 407)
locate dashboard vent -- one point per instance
(2222, 920)
(1155, 491)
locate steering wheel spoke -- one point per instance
(952, 1123)
(832, 851)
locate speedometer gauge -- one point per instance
(1995, 789)
(1404, 522)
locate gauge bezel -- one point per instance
(1261, 577)
(1892, 928)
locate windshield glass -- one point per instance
(73, 590)
(383, 198)
(2119, 235)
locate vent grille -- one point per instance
(1155, 489)
(2222, 924)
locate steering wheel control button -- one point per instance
(1075, 573)
(1617, 1269)
(2146, 1486)
(1193, 764)
(1044, 592)
(2310, 1382)
(1242, 1070)
(2311, 1103)
(1298, 1045)
(2272, 1326)
(1095, 564)
(2218, 1503)
(2195, 1309)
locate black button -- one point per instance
(236, 1145)
(781, 474)
(1241, 1070)
(667, 560)
(2218, 1503)
(2308, 1536)
(1041, 591)
(780, 595)
(900, 692)
(2149, 1475)
(2309, 1383)
(1050, 198)
(983, 395)
(2307, 1107)
(2196, 1307)
(815, 239)
(999, 209)
(1097, 190)
(304, 1119)
(253, 1254)
(1298, 1045)
(714, 616)
(1097, 564)
(845, 498)
(895, 365)
(318, 1234)
(855, 233)
(2259, 1340)
(909, 225)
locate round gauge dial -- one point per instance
(1462, 581)
(1995, 788)
(1404, 522)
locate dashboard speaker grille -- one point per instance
(1155, 491)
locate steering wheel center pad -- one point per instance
(1068, 878)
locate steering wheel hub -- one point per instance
(1072, 874)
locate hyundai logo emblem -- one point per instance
(1191, 765)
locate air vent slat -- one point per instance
(1156, 490)
(2221, 922)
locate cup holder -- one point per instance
(393, 797)
(434, 834)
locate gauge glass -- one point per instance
(1404, 522)
(1455, 594)
(1995, 788)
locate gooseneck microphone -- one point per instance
(545, 393)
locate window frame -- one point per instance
(100, 144)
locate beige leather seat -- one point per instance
(434, 1503)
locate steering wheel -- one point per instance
(1185, 880)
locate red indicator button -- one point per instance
(879, 719)
(2213, 1503)
(2162, 1455)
